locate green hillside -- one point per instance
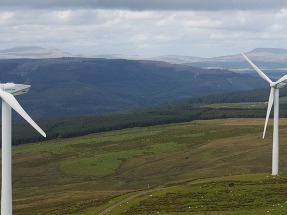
(245, 104)
(67, 87)
(65, 176)
(255, 194)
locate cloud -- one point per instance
(151, 32)
(204, 30)
(207, 5)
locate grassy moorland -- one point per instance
(65, 176)
(244, 104)
(230, 195)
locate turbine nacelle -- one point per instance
(15, 89)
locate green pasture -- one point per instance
(241, 105)
(70, 176)
(250, 194)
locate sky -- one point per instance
(200, 28)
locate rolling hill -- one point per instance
(273, 61)
(86, 86)
(34, 52)
(67, 176)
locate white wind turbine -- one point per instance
(8, 101)
(273, 97)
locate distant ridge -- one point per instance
(37, 52)
(269, 59)
(270, 50)
(273, 60)
(177, 59)
(258, 54)
(34, 52)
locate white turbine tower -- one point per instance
(8, 101)
(273, 97)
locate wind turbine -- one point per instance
(273, 98)
(7, 92)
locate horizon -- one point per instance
(38, 47)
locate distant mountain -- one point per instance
(119, 56)
(258, 54)
(272, 60)
(34, 52)
(273, 55)
(88, 86)
(270, 50)
(177, 59)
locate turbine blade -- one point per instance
(13, 103)
(270, 104)
(265, 77)
(284, 78)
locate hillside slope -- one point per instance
(82, 86)
(67, 175)
(254, 194)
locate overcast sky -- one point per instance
(203, 28)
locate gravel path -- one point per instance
(124, 201)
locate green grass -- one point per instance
(226, 195)
(99, 165)
(107, 163)
(241, 105)
(65, 176)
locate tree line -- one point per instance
(173, 112)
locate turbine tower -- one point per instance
(273, 98)
(7, 92)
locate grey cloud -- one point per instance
(208, 5)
